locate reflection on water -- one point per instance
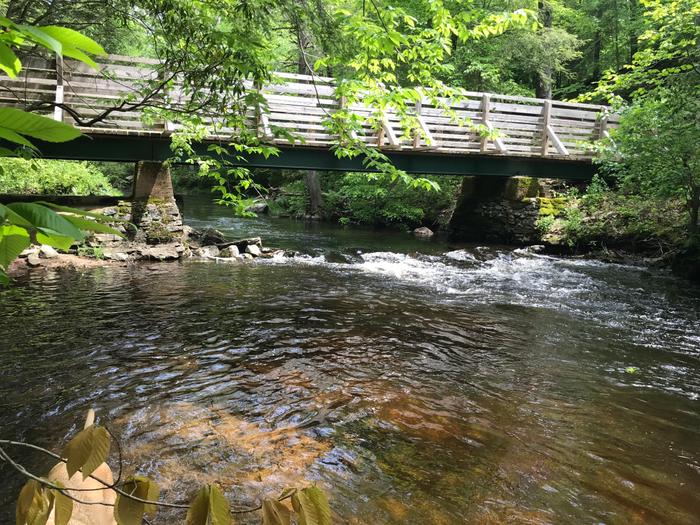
(417, 382)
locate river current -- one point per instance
(415, 381)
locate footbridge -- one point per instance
(540, 138)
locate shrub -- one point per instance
(53, 177)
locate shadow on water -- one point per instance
(416, 382)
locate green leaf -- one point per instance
(50, 237)
(13, 240)
(4, 278)
(13, 136)
(130, 512)
(275, 513)
(9, 62)
(87, 451)
(209, 507)
(37, 126)
(63, 506)
(10, 216)
(78, 211)
(42, 217)
(37, 35)
(33, 505)
(93, 226)
(312, 506)
(71, 39)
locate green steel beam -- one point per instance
(133, 148)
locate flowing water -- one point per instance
(417, 382)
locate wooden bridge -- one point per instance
(544, 138)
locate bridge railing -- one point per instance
(527, 127)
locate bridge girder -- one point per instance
(117, 148)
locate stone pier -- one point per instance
(153, 208)
(499, 209)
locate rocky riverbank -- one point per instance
(111, 250)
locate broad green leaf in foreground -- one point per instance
(50, 237)
(93, 226)
(13, 240)
(209, 507)
(130, 512)
(63, 506)
(33, 505)
(275, 513)
(87, 451)
(312, 506)
(42, 217)
(36, 126)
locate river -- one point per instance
(415, 381)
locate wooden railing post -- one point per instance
(262, 120)
(485, 110)
(59, 95)
(416, 133)
(603, 133)
(485, 114)
(422, 124)
(546, 111)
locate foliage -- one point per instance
(24, 223)
(373, 200)
(605, 218)
(91, 251)
(36, 177)
(670, 56)
(655, 151)
(139, 496)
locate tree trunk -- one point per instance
(633, 36)
(694, 209)
(543, 82)
(313, 184)
(597, 44)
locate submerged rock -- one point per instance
(423, 231)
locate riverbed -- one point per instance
(415, 381)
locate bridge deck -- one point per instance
(529, 128)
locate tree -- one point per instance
(656, 148)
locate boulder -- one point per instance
(259, 206)
(247, 256)
(161, 253)
(116, 256)
(33, 260)
(254, 250)
(211, 236)
(208, 251)
(423, 231)
(29, 251)
(47, 252)
(230, 251)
